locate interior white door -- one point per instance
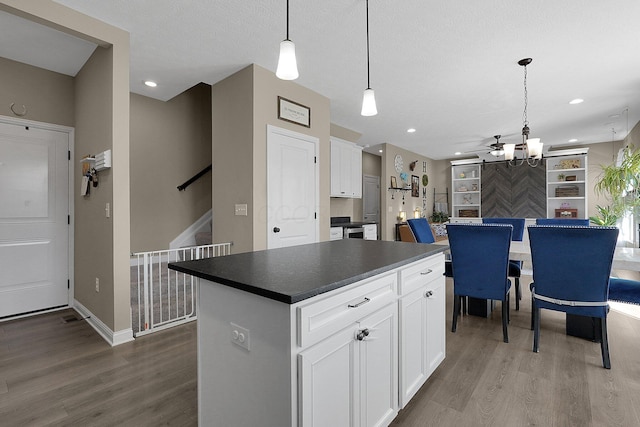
(34, 209)
(371, 198)
(292, 188)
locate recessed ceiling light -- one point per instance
(576, 101)
(457, 153)
(573, 140)
(379, 151)
(411, 130)
(151, 83)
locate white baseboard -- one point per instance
(112, 338)
(188, 236)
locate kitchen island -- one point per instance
(331, 333)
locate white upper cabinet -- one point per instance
(346, 169)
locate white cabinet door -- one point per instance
(413, 342)
(435, 319)
(350, 379)
(379, 367)
(355, 158)
(346, 169)
(329, 381)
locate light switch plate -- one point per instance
(241, 209)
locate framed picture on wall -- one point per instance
(293, 112)
(415, 186)
(394, 182)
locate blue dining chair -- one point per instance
(562, 221)
(423, 234)
(515, 267)
(480, 258)
(421, 230)
(571, 268)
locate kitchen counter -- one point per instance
(297, 273)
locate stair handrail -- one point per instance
(191, 180)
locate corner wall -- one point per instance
(170, 143)
(108, 237)
(392, 202)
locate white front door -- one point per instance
(292, 188)
(34, 209)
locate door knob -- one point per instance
(276, 230)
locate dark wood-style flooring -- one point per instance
(64, 374)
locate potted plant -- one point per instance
(438, 218)
(620, 184)
(561, 177)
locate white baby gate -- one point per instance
(162, 298)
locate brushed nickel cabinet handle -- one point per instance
(366, 300)
(424, 273)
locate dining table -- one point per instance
(624, 258)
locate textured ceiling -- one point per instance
(447, 68)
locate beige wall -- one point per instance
(47, 96)
(100, 124)
(242, 107)
(170, 143)
(232, 153)
(93, 231)
(436, 171)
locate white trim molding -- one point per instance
(188, 236)
(112, 338)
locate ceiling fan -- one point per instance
(496, 149)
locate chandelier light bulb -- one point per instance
(509, 150)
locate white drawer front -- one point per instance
(320, 319)
(418, 273)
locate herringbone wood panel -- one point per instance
(516, 192)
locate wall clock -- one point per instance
(398, 163)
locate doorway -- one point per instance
(35, 221)
(292, 188)
(371, 199)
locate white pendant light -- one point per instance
(287, 64)
(369, 103)
(368, 98)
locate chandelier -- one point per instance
(530, 147)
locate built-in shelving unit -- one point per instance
(466, 186)
(567, 183)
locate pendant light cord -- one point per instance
(287, 19)
(368, 78)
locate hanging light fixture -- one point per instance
(531, 147)
(287, 65)
(497, 147)
(368, 99)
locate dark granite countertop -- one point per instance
(296, 273)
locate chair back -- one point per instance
(572, 264)
(562, 221)
(405, 234)
(421, 230)
(480, 259)
(517, 223)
